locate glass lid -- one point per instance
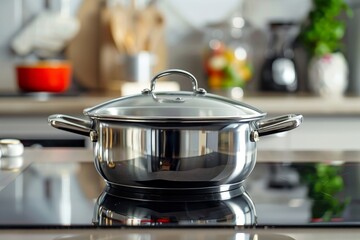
(197, 105)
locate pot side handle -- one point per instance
(71, 124)
(275, 125)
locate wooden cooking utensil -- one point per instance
(82, 50)
(118, 27)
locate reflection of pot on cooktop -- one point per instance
(111, 210)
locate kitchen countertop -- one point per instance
(71, 154)
(272, 104)
(182, 233)
(85, 154)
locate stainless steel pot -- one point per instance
(175, 141)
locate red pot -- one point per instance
(44, 76)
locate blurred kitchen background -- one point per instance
(244, 49)
(181, 36)
(188, 28)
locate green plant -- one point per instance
(324, 29)
(325, 183)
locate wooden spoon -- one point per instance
(156, 31)
(118, 25)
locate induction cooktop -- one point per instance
(71, 195)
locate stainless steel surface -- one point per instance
(71, 124)
(278, 124)
(195, 88)
(148, 158)
(199, 156)
(194, 83)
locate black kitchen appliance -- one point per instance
(278, 72)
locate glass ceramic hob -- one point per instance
(275, 195)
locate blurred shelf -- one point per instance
(306, 105)
(270, 103)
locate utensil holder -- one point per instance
(138, 67)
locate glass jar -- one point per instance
(227, 59)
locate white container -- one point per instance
(328, 75)
(11, 148)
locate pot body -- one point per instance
(175, 158)
(212, 157)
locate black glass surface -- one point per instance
(275, 194)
